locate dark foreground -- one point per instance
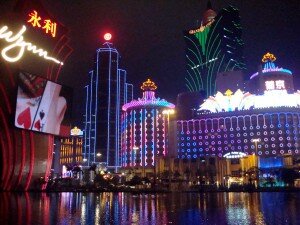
(160, 208)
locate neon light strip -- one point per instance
(272, 70)
(148, 102)
(91, 105)
(17, 41)
(153, 117)
(165, 131)
(244, 101)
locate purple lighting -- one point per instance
(148, 99)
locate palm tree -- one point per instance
(253, 174)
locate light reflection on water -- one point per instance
(172, 208)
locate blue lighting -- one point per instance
(271, 162)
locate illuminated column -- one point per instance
(167, 112)
(147, 128)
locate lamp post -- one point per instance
(255, 141)
(135, 148)
(168, 112)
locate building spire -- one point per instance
(209, 6)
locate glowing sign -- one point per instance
(148, 86)
(107, 37)
(270, 85)
(268, 57)
(148, 98)
(275, 85)
(48, 25)
(279, 84)
(15, 51)
(245, 101)
(76, 132)
(232, 155)
(201, 28)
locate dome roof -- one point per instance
(208, 16)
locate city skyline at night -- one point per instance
(154, 31)
(149, 112)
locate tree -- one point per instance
(187, 173)
(76, 170)
(176, 174)
(136, 180)
(93, 167)
(253, 174)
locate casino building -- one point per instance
(106, 92)
(68, 152)
(26, 155)
(145, 139)
(212, 48)
(234, 132)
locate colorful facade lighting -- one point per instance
(234, 155)
(269, 65)
(168, 111)
(107, 36)
(19, 45)
(76, 132)
(268, 57)
(148, 98)
(244, 101)
(145, 135)
(148, 86)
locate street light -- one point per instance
(255, 141)
(168, 112)
(98, 154)
(135, 148)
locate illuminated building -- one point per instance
(145, 136)
(244, 125)
(26, 156)
(214, 47)
(68, 151)
(270, 77)
(105, 94)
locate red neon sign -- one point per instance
(45, 24)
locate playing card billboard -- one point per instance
(42, 105)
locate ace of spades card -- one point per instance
(26, 110)
(51, 110)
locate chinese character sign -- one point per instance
(47, 25)
(270, 85)
(275, 85)
(280, 84)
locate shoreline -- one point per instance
(159, 191)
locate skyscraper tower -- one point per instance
(214, 47)
(105, 95)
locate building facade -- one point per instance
(234, 132)
(68, 152)
(145, 134)
(26, 155)
(105, 94)
(214, 47)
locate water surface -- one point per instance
(172, 208)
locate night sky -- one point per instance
(149, 38)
